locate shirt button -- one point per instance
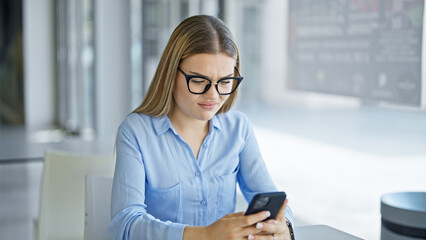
(205, 145)
(203, 203)
(197, 174)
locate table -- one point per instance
(24, 151)
(318, 232)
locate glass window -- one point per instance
(11, 64)
(75, 59)
(158, 19)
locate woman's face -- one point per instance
(203, 106)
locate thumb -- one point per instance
(281, 214)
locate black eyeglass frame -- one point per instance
(188, 78)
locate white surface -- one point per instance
(38, 45)
(113, 82)
(98, 205)
(319, 232)
(336, 186)
(63, 192)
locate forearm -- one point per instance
(195, 233)
(128, 226)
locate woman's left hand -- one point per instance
(274, 229)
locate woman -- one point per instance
(181, 153)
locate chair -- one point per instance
(241, 205)
(62, 199)
(98, 202)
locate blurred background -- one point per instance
(334, 88)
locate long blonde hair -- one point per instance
(196, 34)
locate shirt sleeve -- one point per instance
(253, 177)
(130, 219)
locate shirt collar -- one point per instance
(215, 123)
(163, 123)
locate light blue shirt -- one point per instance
(160, 186)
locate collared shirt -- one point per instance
(160, 186)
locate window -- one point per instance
(11, 64)
(75, 59)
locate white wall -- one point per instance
(274, 48)
(112, 85)
(38, 63)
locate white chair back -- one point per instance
(63, 193)
(241, 205)
(98, 205)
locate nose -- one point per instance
(211, 93)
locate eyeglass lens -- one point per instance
(200, 85)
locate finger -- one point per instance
(281, 214)
(264, 237)
(271, 227)
(231, 215)
(250, 230)
(253, 218)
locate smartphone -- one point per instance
(271, 201)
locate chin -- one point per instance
(206, 116)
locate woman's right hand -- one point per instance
(231, 226)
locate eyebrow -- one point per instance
(199, 74)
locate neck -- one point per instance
(186, 124)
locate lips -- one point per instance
(208, 105)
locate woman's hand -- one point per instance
(231, 226)
(274, 228)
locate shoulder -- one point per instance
(135, 122)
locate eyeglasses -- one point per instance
(200, 84)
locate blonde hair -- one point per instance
(196, 34)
